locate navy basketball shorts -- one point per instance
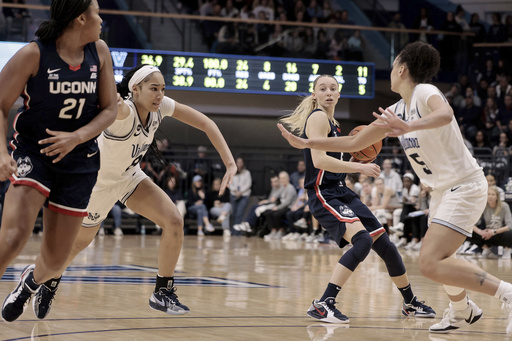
(66, 192)
(334, 207)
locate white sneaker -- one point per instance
(294, 237)
(226, 233)
(410, 245)
(101, 232)
(398, 229)
(210, 228)
(453, 320)
(200, 232)
(237, 227)
(507, 252)
(118, 232)
(463, 247)
(302, 223)
(270, 235)
(289, 236)
(471, 250)
(401, 242)
(507, 304)
(278, 235)
(246, 227)
(417, 246)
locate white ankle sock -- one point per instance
(460, 305)
(503, 288)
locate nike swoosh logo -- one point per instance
(321, 312)
(468, 320)
(455, 188)
(52, 71)
(90, 155)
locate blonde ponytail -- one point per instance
(297, 119)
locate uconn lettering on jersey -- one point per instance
(75, 87)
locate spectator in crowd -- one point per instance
(248, 38)
(229, 10)
(173, 190)
(16, 19)
(424, 23)
(399, 39)
(497, 32)
(250, 222)
(298, 174)
(345, 20)
(275, 216)
(491, 181)
(477, 28)
(240, 190)
(117, 214)
(477, 101)
(481, 90)
(494, 228)
(482, 150)
(502, 89)
(322, 45)
(356, 46)
(489, 72)
(410, 195)
(263, 31)
(228, 40)
(314, 10)
(391, 178)
(449, 45)
(327, 9)
(220, 206)
(210, 28)
(460, 18)
(504, 113)
(196, 200)
(455, 94)
(201, 165)
(296, 213)
(384, 200)
(501, 155)
(265, 6)
(469, 118)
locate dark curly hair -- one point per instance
(422, 60)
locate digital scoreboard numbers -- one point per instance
(248, 74)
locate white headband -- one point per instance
(140, 75)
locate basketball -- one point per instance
(369, 153)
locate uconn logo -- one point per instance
(75, 87)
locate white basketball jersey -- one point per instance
(438, 156)
(124, 143)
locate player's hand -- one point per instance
(227, 179)
(370, 169)
(7, 166)
(60, 144)
(294, 141)
(388, 119)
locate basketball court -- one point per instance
(237, 289)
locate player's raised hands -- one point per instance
(388, 119)
(294, 141)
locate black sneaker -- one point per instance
(167, 301)
(326, 311)
(418, 309)
(43, 299)
(16, 302)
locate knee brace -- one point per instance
(390, 255)
(362, 244)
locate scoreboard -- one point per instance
(247, 74)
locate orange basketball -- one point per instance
(369, 153)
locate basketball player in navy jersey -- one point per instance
(66, 80)
(431, 138)
(339, 210)
(120, 178)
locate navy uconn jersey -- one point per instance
(318, 177)
(125, 142)
(61, 98)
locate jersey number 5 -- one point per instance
(416, 159)
(70, 104)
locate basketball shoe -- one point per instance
(326, 311)
(16, 302)
(453, 320)
(507, 304)
(167, 301)
(418, 309)
(43, 299)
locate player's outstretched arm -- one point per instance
(200, 121)
(345, 144)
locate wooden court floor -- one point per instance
(237, 289)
